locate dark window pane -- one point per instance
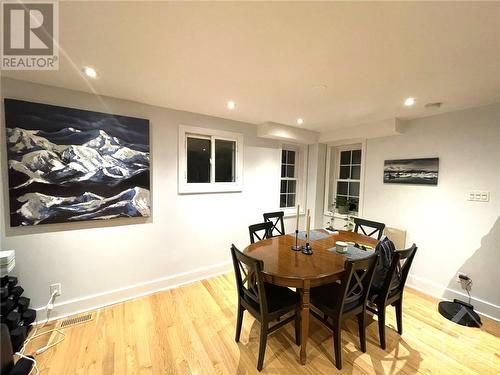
(345, 157)
(198, 160)
(353, 204)
(283, 186)
(283, 200)
(344, 172)
(283, 156)
(292, 186)
(291, 200)
(355, 172)
(356, 157)
(354, 189)
(283, 171)
(225, 160)
(342, 188)
(290, 171)
(291, 157)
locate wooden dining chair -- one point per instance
(260, 231)
(391, 291)
(266, 302)
(368, 227)
(276, 218)
(340, 301)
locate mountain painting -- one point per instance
(412, 171)
(68, 165)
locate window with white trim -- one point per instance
(209, 160)
(289, 177)
(348, 179)
(344, 180)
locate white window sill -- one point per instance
(291, 212)
(339, 216)
(217, 187)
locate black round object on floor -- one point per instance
(459, 312)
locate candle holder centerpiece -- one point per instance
(296, 247)
(307, 249)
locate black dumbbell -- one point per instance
(4, 280)
(12, 282)
(13, 320)
(4, 293)
(16, 292)
(17, 337)
(22, 304)
(29, 317)
(7, 306)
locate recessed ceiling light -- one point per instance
(300, 121)
(90, 72)
(231, 105)
(409, 102)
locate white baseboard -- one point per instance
(111, 297)
(442, 292)
(95, 301)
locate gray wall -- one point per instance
(452, 233)
(187, 236)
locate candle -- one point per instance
(297, 226)
(308, 227)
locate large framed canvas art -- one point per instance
(67, 165)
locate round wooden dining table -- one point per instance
(285, 267)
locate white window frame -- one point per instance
(300, 173)
(212, 186)
(337, 149)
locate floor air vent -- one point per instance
(76, 320)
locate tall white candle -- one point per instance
(297, 226)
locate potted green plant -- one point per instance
(342, 205)
(349, 223)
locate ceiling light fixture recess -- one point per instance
(231, 105)
(433, 105)
(300, 121)
(409, 102)
(90, 72)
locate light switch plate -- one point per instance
(478, 196)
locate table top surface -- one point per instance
(283, 264)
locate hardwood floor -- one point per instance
(190, 330)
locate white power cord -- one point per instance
(48, 308)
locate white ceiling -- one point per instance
(271, 57)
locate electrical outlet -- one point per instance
(56, 288)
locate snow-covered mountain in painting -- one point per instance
(38, 207)
(101, 158)
(76, 167)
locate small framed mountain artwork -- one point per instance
(411, 171)
(68, 165)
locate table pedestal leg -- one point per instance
(304, 323)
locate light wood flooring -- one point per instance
(190, 330)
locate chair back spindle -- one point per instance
(249, 279)
(355, 285)
(260, 231)
(368, 227)
(276, 218)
